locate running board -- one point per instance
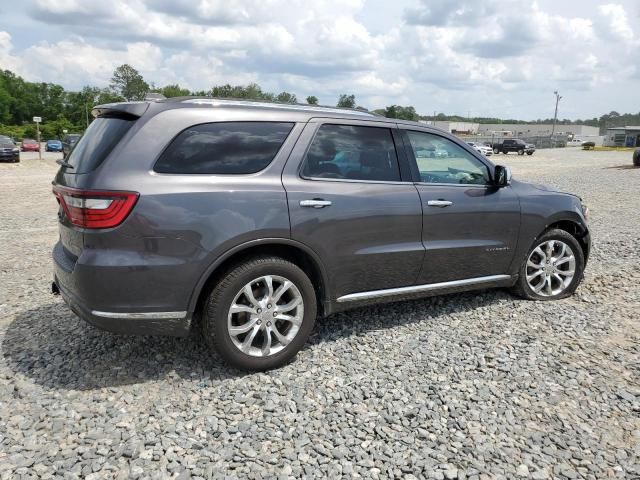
(392, 292)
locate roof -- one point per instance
(138, 108)
(628, 127)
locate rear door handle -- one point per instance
(439, 203)
(315, 203)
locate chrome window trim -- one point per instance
(391, 292)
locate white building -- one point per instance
(463, 128)
(538, 130)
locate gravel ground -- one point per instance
(476, 385)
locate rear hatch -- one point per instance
(80, 208)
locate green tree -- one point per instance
(253, 91)
(173, 90)
(128, 83)
(286, 97)
(347, 101)
(312, 100)
(404, 113)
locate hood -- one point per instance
(7, 145)
(547, 188)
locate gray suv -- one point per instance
(248, 220)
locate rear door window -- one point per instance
(352, 152)
(97, 142)
(224, 148)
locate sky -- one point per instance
(497, 58)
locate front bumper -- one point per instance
(9, 157)
(117, 320)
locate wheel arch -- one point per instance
(576, 229)
(291, 250)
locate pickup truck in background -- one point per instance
(513, 145)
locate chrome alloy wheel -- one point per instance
(265, 316)
(550, 268)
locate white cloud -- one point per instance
(483, 56)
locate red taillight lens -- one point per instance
(95, 209)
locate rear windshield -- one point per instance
(97, 142)
(224, 148)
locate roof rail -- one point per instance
(219, 102)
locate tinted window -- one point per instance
(224, 148)
(97, 142)
(442, 161)
(350, 152)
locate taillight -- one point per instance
(95, 209)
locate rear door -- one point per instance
(351, 200)
(470, 227)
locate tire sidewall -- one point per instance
(221, 301)
(579, 258)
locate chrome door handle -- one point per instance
(439, 203)
(315, 203)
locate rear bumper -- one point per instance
(119, 318)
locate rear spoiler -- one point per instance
(131, 110)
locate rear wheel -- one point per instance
(553, 268)
(260, 314)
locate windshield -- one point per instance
(97, 142)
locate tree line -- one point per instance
(62, 110)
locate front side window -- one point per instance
(224, 148)
(442, 161)
(352, 153)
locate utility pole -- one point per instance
(555, 115)
(37, 121)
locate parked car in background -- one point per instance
(9, 152)
(30, 145)
(247, 220)
(53, 146)
(575, 142)
(481, 147)
(513, 145)
(69, 141)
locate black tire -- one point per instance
(521, 152)
(529, 153)
(636, 157)
(522, 288)
(496, 151)
(216, 310)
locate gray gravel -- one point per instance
(475, 385)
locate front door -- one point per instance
(470, 227)
(349, 203)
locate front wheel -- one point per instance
(521, 152)
(636, 158)
(553, 268)
(495, 150)
(260, 313)
(529, 153)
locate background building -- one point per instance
(461, 128)
(538, 129)
(622, 137)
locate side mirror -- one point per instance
(502, 176)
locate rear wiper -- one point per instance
(64, 164)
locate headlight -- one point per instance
(15, 150)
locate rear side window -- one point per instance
(97, 142)
(224, 148)
(352, 152)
